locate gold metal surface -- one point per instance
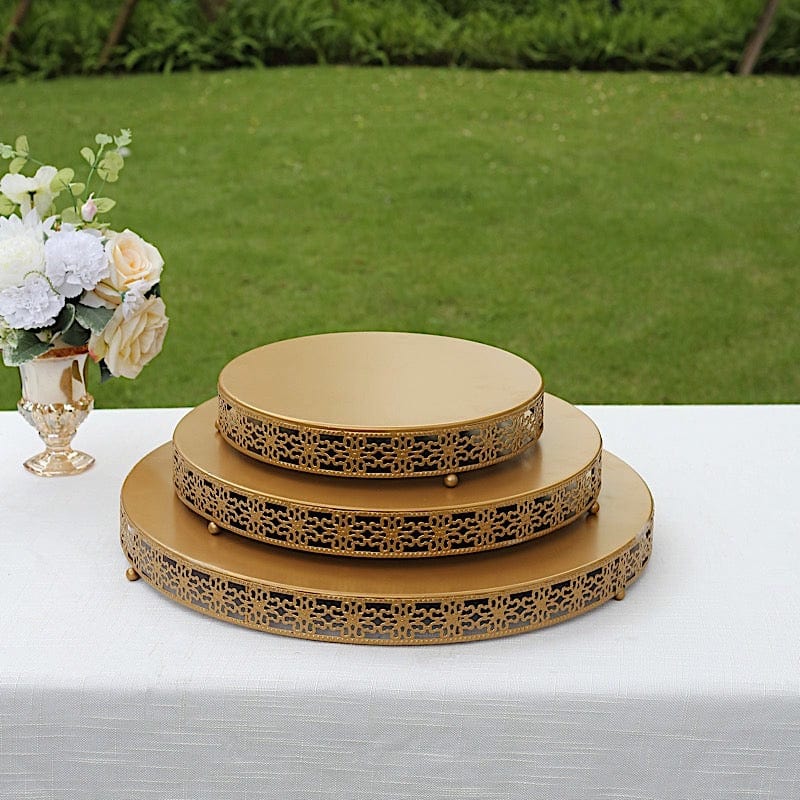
(380, 381)
(213, 528)
(380, 405)
(451, 480)
(540, 490)
(595, 508)
(131, 574)
(55, 402)
(427, 601)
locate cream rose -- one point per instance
(127, 345)
(132, 261)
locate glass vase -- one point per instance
(55, 402)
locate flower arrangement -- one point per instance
(66, 278)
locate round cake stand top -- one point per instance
(380, 381)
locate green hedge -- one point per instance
(62, 37)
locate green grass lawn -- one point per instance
(635, 236)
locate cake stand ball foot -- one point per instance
(213, 528)
(131, 574)
(620, 595)
(594, 508)
(451, 480)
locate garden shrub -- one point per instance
(64, 37)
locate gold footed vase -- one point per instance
(55, 402)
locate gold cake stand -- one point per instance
(542, 489)
(263, 510)
(426, 601)
(380, 405)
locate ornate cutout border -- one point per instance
(412, 534)
(380, 454)
(390, 620)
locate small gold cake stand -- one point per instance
(387, 601)
(380, 405)
(542, 489)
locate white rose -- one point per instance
(132, 261)
(127, 345)
(21, 249)
(32, 192)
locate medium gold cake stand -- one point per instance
(542, 489)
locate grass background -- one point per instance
(633, 235)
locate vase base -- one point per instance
(56, 465)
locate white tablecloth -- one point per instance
(689, 688)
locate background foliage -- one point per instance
(65, 37)
(633, 235)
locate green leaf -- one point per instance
(154, 290)
(104, 204)
(95, 319)
(26, 348)
(103, 138)
(109, 167)
(6, 206)
(71, 216)
(17, 164)
(75, 335)
(105, 372)
(112, 161)
(63, 178)
(65, 318)
(21, 145)
(88, 154)
(6, 151)
(77, 189)
(124, 137)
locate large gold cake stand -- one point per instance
(380, 405)
(400, 601)
(542, 489)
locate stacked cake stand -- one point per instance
(385, 488)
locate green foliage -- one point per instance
(58, 37)
(93, 319)
(65, 319)
(72, 333)
(24, 347)
(63, 37)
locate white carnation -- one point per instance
(75, 261)
(32, 305)
(21, 249)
